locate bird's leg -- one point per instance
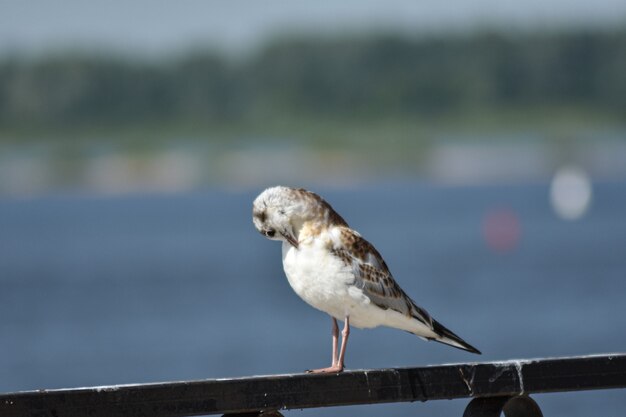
(344, 342)
(335, 334)
(337, 365)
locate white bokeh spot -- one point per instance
(570, 192)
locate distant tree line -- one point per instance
(373, 76)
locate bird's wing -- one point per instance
(373, 277)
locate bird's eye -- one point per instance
(270, 232)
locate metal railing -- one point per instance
(494, 387)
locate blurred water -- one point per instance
(155, 288)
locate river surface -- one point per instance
(149, 288)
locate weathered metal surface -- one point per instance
(294, 391)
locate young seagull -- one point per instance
(335, 270)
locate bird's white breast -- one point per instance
(322, 279)
(325, 282)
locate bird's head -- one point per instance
(274, 213)
(280, 212)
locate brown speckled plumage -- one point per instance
(373, 276)
(325, 210)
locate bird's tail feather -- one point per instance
(446, 336)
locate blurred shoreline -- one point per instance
(41, 169)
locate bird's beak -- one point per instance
(290, 238)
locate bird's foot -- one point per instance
(330, 370)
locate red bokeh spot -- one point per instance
(501, 229)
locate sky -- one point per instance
(157, 27)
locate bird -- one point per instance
(335, 270)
